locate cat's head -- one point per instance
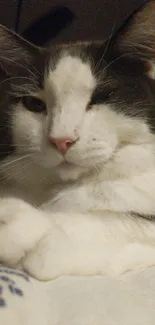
(71, 106)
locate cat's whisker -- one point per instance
(14, 78)
(101, 74)
(34, 68)
(15, 165)
(97, 168)
(18, 64)
(17, 145)
(24, 89)
(109, 40)
(16, 160)
(15, 173)
(118, 58)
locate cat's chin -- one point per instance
(68, 171)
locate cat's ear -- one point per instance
(16, 54)
(138, 37)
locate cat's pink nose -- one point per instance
(62, 144)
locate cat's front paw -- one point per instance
(51, 258)
(21, 227)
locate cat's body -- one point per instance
(78, 154)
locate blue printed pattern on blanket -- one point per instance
(9, 283)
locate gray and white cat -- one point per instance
(77, 147)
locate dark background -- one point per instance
(66, 20)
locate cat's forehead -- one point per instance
(68, 73)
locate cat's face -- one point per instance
(65, 125)
(74, 106)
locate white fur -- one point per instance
(86, 226)
(72, 83)
(151, 70)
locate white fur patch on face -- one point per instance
(68, 89)
(27, 129)
(72, 72)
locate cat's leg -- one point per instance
(85, 244)
(77, 245)
(21, 228)
(52, 245)
(128, 195)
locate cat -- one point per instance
(77, 140)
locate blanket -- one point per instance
(128, 299)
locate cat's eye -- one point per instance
(33, 104)
(99, 97)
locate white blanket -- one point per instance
(125, 300)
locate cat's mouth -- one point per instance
(66, 164)
(69, 171)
